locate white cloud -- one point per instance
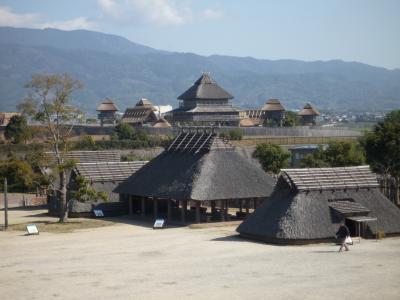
(164, 12)
(213, 14)
(73, 24)
(9, 18)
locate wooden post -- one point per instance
(227, 210)
(5, 205)
(212, 207)
(169, 208)
(222, 211)
(255, 203)
(240, 205)
(143, 207)
(247, 207)
(197, 211)
(130, 201)
(155, 208)
(183, 210)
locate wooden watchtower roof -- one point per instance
(205, 88)
(107, 105)
(273, 105)
(309, 110)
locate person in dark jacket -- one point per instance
(341, 235)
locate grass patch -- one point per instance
(70, 226)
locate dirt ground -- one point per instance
(132, 261)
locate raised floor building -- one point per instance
(205, 103)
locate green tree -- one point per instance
(314, 160)
(19, 174)
(382, 147)
(343, 154)
(17, 130)
(85, 192)
(291, 119)
(124, 131)
(49, 103)
(272, 157)
(337, 154)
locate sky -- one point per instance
(366, 31)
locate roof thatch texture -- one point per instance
(162, 123)
(309, 110)
(108, 171)
(297, 216)
(199, 166)
(249, 122)
(107, 105)
(88, 156)
(145, 103)
(330, 178)
(205, 88)
(273, 105)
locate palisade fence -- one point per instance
(259, 132)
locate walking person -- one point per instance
(342, 233)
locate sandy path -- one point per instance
(134, 262)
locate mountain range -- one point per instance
(112, 66)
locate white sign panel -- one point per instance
(159, 223)
(32, 229)
(98, 213)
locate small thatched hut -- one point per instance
(308, 204)
(197, 168)
(308, 115)
(142, 113)
(162, 123)
(273, 111)
(107, 110)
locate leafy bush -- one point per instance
(272, 157)
(85, 193)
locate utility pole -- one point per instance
(5, 205)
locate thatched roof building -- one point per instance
(308, 114)
(162, 123)
(308, 204)
(107, 110)
(105, 176)
(273, 111)
(205, 103)
(142, 113)
(199, 167)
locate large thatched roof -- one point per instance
(199, 166)
(299, 215)
(205, 88)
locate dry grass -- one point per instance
(70, 226)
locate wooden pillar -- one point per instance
(247, 207)
(222, 211)
(143, 207)
(169, 211)
(227, 210)
(183, 210)
(240, 205)
(197, 211)
(155, 208)
(255, 204)
(212, 207)
(130, 202)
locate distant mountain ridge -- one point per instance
(112, 66)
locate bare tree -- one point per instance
(49, 103)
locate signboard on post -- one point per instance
(159, 223)
(98, 213)
(32, 229)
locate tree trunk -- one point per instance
(397, 192)
(63, 197)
